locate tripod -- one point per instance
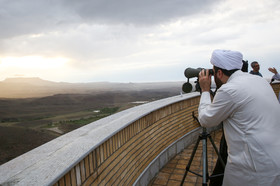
(205, 175)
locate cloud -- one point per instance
(149, 37)
(138, 12)
(40, 16)
(25, 17)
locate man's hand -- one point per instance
(204, 80)
(273, 70)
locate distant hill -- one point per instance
(30, 80)
(36, 87)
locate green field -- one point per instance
(17, 138)
(28, 123)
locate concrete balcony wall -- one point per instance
(127, 152)
(114, 150)
(126, 148)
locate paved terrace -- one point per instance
(172, 173)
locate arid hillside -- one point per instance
(28, 120)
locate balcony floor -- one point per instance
(172, 173)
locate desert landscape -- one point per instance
(34, 111)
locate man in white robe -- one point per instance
(250, 113)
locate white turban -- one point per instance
(227, 59)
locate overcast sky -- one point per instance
(132, 41)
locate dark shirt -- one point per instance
(256, 73)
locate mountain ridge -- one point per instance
(36, 87)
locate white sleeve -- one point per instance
(212, 114)
(276, 76)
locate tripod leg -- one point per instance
(191, 159)
(217, 152)
(205, 162)
(216, 179)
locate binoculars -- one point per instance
(190, 73)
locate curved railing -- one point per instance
(276, 89)
(127, 148)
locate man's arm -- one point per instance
(212, 114)
(273, 70)
(276, 74)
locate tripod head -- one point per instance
(204, 130)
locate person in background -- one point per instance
(256, 68)
(276, 75)
(250, 120)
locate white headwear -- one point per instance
(227, 59)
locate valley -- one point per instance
(26, 123)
